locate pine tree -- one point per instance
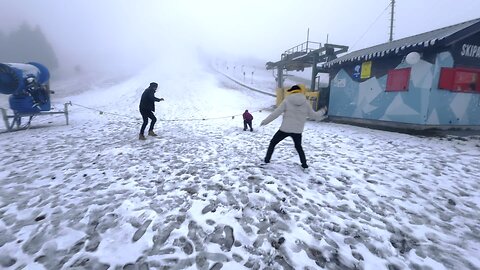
(27, 45)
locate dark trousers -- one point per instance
(38, 95)
(278, 137)
(145, 116)
(249, 123)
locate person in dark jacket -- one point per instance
(147, 107)
(247, 120)
(36, 91)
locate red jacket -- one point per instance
(247, 116)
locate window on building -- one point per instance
(397, 79)
(460, 80)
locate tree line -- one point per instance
(27, 44)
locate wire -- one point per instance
(368, 29)
(100, 111)
(203, 119)
(160, 119)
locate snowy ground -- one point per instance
(91, 196)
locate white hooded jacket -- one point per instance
(295, 109)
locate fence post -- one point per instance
(5, 118)
(66, 111)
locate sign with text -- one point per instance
(467, 52)
(366, 70)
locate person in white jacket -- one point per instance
(295, 109)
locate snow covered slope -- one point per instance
(91, 196)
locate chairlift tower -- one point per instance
(305, 55)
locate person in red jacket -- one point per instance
(247, 120)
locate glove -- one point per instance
(324, 109)
(161, 99)
(322, 118)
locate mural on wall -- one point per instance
(420, 103)
(452, 108)
(368, 99)
(430, 79)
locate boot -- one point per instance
(151, 133)
(141, 137)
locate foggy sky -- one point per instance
(122, 34)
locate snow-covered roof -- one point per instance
(418, 42)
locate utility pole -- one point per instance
(308, 35)
(391, 20)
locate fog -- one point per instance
(124, 35)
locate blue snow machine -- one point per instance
(27, 85)
(29, 90)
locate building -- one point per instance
(430, 80)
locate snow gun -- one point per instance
(28, 87)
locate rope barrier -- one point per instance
(101, 111)
(161, 119)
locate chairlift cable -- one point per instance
(371, 25)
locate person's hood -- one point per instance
(297, 99)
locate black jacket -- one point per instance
(147, 102)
